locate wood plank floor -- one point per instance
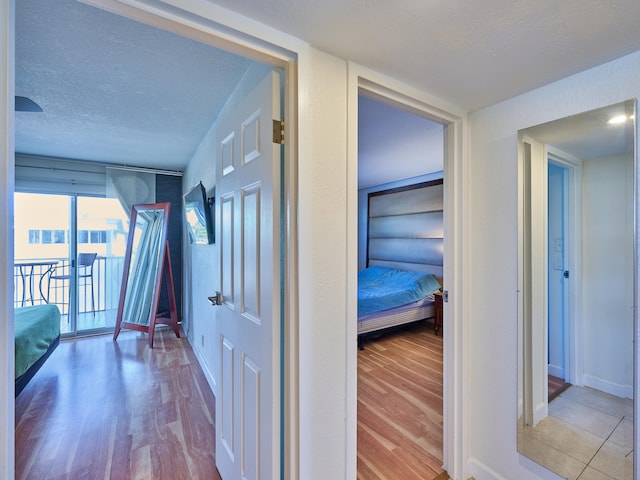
(400, 406)
(100, 409)
(555, 387)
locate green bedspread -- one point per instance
(35, 329)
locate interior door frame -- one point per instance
(573, 345)
(401, 96)
(7, 175)
(534, 228)
(211, 25)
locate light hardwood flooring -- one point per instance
(400, 405)
(100, 409)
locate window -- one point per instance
(92, 236)
(34, 236)
(48, 236)
(98, 236)
(62, 236)
(58, 236)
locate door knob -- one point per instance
(217, 299)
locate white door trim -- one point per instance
(574, 348)
(7, 162)
(455, 171)
(210, 24)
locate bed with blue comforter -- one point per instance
(389, 297)
(37, 334)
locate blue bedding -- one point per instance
(381, 288)
(36, 328)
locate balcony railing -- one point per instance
(38, 281)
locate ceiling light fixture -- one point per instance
(618, 119)
(24, 104)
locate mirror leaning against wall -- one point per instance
(146, 265)
(577, 189)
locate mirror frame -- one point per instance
(530, 287)
(145, 320)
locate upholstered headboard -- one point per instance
(405, 228)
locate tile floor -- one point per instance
(588, 435)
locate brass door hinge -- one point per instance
(278, 131)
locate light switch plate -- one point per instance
(557, 245)
(557, 262)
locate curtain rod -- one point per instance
(175, 173)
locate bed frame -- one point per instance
(405, 231)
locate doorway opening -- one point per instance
(558, 246)
(278, 58)
(400, 368)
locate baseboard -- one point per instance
(205, 368)
(622, 391)
(480, 471)
(520, 407)
(523, 469)
(556, 371)
(540, 412)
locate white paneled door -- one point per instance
(248, 317)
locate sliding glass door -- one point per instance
(41, 245)
(101, 232)
(69, 251)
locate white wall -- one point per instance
(200, 272)
(322, 187)
(491, 319)
(607, 262)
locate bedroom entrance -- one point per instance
(400, 389)
(254, 197)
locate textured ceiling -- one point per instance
(590, 134)
(118, 91)
(473, 53)
(114, 90)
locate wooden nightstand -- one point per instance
(437, 311)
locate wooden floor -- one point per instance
(400, 406)
(555, 387)
(100, 409)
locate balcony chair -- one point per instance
(85, 272)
